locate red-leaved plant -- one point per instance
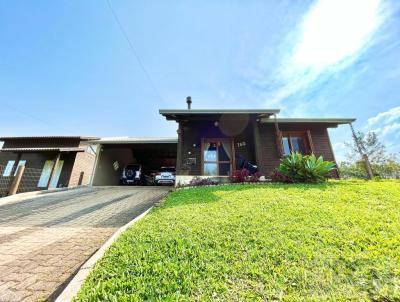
(243, 175)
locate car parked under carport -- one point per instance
(114, 154)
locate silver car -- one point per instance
(166, 175)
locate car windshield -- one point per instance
(132, 167)
(169, 169)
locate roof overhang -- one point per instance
(179, 114)
(327, 121)
(82, 138)
(135, 140)
(50, 149)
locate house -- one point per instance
(213, 143)
(50, 162)
(210, 143)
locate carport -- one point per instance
(115, 153)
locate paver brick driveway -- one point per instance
(44, 240)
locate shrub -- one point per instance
(277, 176)
(307, 168)
(255, 177)
(198, 181)
(240, 176)
(243, 175)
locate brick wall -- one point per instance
(84, 162)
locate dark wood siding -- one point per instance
(269, 158)
(194, 131)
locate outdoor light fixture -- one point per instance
(216, 123)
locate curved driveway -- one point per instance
(44, 240)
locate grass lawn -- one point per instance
(336, 241)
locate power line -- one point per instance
(124, 33)
(20, 112)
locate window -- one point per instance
(8, 169)
(20, 163)
(295, 142)
(46, 173)
(217, 157)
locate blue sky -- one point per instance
(66, 68)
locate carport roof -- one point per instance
(82, 138)
(45, 149)
(135, 140)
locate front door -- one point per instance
(218, 157)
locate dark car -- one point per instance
(132, 175)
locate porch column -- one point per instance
(179, 149)
(53, 169)
(257, 144)
(278, 137)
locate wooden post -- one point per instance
(179, 149)
(53, 169)
(16, 180)
(364, 156)
(278, 137)
(310, 142)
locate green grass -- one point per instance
(336, 241)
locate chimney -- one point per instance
(189, 102)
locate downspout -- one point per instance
(361, 150)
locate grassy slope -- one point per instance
(293, 242)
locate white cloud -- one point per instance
(387, 125)
(385, 117)
(331, 36)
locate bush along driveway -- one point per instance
(333, 241)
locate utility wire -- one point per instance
(135, 53)
(20, 112)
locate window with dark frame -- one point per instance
(295, 141)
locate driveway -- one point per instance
(44, 240)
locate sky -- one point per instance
(105, 68)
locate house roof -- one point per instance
(337, 121)
(136, 140)
(44, 149)
(174, 114)
(82, 138)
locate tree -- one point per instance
(371, 145)
(383, 165)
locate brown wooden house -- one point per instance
(50, 162)
(214, 143)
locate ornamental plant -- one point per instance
(305, 168)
